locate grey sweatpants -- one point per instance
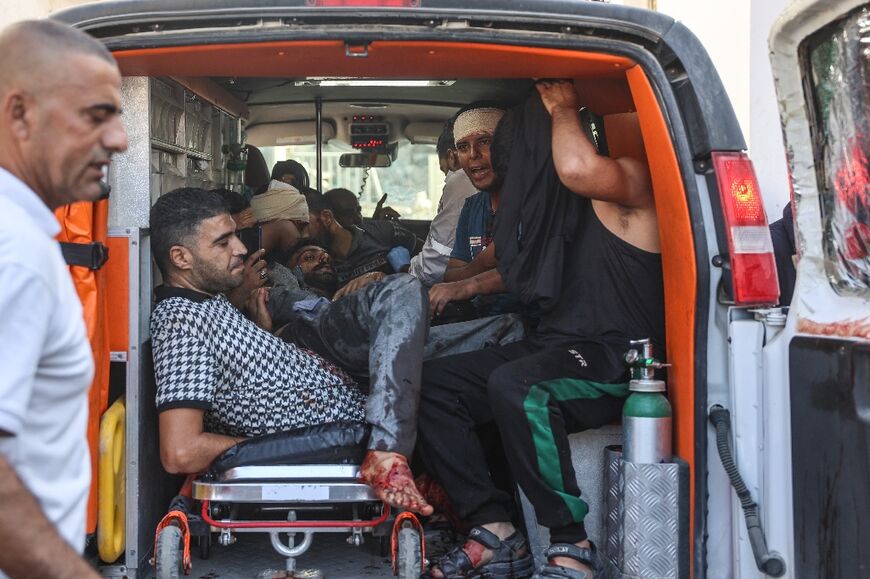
(382, 330)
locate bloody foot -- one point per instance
(390, 477)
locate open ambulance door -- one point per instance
(822, 69)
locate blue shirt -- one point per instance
(473, 235)
(474, 228)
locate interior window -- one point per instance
(839, 65)
(412, 182)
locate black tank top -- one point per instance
(612, 291)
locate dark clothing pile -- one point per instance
(371, 243)
(537, 215)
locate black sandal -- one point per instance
(510, 560)
(588, 557)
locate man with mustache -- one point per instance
(221, 378)
(473, 131)
(60, 101)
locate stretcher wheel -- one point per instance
(168, 554)
(409, 554)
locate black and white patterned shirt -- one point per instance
(208, 355)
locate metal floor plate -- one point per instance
(252, 554)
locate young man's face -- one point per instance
(316, 266)
(473, 152)
(74, 129)
(218, 255)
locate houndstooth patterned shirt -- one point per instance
(208, 355)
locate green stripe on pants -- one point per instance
(538, 415)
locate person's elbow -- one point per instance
(179, 459)
(575, 172)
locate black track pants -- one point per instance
(537, 396)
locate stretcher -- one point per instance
(289, 486)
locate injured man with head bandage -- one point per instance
(475, 135)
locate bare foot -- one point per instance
(477, 553)
(390, 477)
(569, 563)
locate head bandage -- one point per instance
(280, 201)
(476, 121)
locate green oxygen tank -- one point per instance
(646, 415)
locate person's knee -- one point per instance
(404, 283)
(405, 291)
(506, 388)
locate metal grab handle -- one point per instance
(768, 562)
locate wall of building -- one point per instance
(735, 35)
(12, 10)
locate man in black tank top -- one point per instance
(597, 275)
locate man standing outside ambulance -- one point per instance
(60, 103)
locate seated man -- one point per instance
(358, 249)
(221, 378)
(599, 235)
(348, 211)
(428, 266)
(473, 130)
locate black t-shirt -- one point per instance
(611, 291)
(369, 247)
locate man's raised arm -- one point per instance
(623, 181)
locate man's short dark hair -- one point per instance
(317, 202)
(338, 200)
(445, 140)
(291, 167)
(235, 201)
(176, 216)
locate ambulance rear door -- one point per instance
(821, 64)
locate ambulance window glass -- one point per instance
(413, 181)
(839, 65)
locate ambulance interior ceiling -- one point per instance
(267, 77)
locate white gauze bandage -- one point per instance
(476, 121)
(280, 201)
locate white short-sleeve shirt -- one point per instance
(46, 364)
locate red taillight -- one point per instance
(363, 3)
(753, 266)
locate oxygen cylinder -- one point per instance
(646, 415)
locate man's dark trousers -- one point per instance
(537, 395)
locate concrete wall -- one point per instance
(735, 35)
(767, 149)
(12, 10)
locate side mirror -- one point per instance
(364, 160)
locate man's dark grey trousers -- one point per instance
(382, 330)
